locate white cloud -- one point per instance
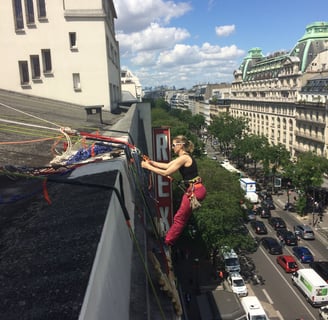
(224, 31)
(153, 37)
(136, 15)
(159, 53)
(144, 59)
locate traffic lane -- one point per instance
(296, 219)
(317, 247)
(278, 292)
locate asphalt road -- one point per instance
(279, 297)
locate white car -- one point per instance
(237, 284)
(323, 313)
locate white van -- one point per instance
(253, 308)
(312, 285)
(230, 259)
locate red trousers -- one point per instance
(183, 214)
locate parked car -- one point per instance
(277, 223)
(250, 215)
(288, 263)
(263, 212)
(259, 227)
(287, 236)
(321, 268)
(289, 207)
(304, 231)
(303, 254)
(241, 229)
(237, 284)
(271, 245)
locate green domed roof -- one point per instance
(314, 41)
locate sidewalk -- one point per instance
(321, 228)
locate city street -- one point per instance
(277, 294)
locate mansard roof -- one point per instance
(316, 85)
(313, 42)
(256, 66)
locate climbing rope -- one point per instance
(70, 159)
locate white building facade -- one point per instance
(61, 49)
(279, 97)
(131, 83)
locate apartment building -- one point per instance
(130, 83)
(206, 99)
(61, 49)
(279, 94)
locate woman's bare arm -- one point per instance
(167, 170)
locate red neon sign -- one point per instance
(163, 185)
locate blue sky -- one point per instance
(184, 43)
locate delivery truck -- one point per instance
(312, 286)
(253, 308)
(249, 187)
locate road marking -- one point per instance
(267, 296)
(279, 315)
(288, 284)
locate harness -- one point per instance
(190, 185)
(193, 181)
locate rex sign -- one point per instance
(163, 185)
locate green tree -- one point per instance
(227, 130)
(305, 173)
(196, 123)
(220, 213)
(253, 145)
(161, 103)
(275, 158)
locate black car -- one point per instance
(288, 237)
(250, 215)
(271, 245)
(263, 212)
(259, 227)
(321, 268)
(268, 203)
(265, 195)
(277, 223)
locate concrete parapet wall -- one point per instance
(108, 291)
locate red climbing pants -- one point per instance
(183, 214)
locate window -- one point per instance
(42, 14)
(76, 82)
(18, 14)
(72, 40)
(23, 72)
(29, 12)
(35, 66)
(46, 60)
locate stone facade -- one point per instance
(62, 50)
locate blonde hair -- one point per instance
(188, 145)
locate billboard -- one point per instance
(163, 185)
